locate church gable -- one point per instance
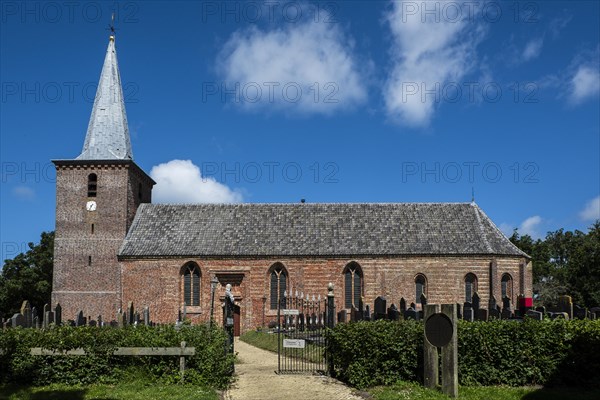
(338, 230)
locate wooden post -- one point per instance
(430, 352)
(182, 362)
(450, 355)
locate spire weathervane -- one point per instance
(111, 26)
(472, 194)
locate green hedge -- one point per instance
(498, 352)
(209, 366)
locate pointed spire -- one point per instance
(107, 135)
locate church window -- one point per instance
(353, 283)
(278, 284)
(507, 286)
(191, 284)
(420, 287)
(92, 185)
(470, 286)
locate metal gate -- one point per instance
(303, 320)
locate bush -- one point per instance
(498, 352)
(210, 365)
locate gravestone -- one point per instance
(58, 314)
(536, 315)
(580, 312)
(48, 318)
(559, 315)
(100, 322)
(459, 314)
(476, 301)
(120, 318)
(45, 315)
(481, 314)
(131, 313)
(34, 315)
(79, 319)
(402, 306)
(494, 313)
(146, 316)
(18, 319)
(411, 313)
(541, 309)
(468, 312)
(26, 312)
(492, 303)
(565, 304)
(355, 314)
(342, 316)
(367, 315)
(506, 303)
(423, 301)
(380, 308)
(92, 323)
(595, 313)
(506, 313)
(392, 313)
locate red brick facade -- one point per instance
(158, 283)
(87, 274)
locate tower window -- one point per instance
(278, 285)
(92, 229)
(92, 185)
(353, 282)
(191, 284)
(140, 191)
(89, 261)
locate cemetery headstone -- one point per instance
(536, 315)
(58, 314)
(380, 308)
(18, 319)
(411, 313)
(392, 313)
(481, 315)
(402, 305)
(476, 301)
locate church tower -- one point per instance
(97, 195)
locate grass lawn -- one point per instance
(133, 390)
(268, 341)
(413, 391)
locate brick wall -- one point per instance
(78, 283)
(158, 283)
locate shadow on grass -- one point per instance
(31, 393)
(562, 393)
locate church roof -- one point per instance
(107, 135)
(315, 229)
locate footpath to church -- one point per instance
(256, 380)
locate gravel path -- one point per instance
(257, 380)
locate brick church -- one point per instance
(114, 246)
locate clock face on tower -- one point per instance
(90, 205)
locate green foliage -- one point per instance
(498, 352)
(28, 276)
(376, 353)
(210, 366)
(565, 263)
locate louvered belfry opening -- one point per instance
(352, 285)
(278, 284)
(191, 284)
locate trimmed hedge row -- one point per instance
(210, 366)
(497, 352)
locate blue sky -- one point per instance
(354, 101)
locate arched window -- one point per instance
(191, 284)
(278, 284)
(92, 185)
(470, 286)
(420, 287)
(507, 286)
(353, 284)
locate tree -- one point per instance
(28, 276)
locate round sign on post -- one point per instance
(438, 330)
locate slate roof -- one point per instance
(313, 229)
(107, 135)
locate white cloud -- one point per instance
(427, 51)
(305, 67)
(180, 181)
(533, 49)
(591, 212)
(531, 227)
(507, 229)
(584, 84)
(24, 192)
